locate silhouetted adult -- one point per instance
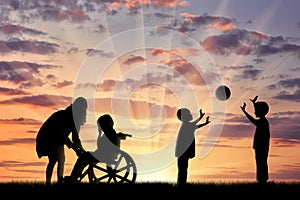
(108, 145)
(261, 141)
(185, 143)
(54, 134)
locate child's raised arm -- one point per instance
(254, 99)
(123, 135)
(246, 113)
(201, 114)
(205, 123)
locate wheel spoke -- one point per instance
(123, 169)
(102, 177)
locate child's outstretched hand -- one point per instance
(254, 99)
(201, 113)
(207, 120)
(243, 107)
(124, 135)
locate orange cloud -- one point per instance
(168, 3)
(223, 27)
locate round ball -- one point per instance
(223, 93)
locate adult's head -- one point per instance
(79, 109)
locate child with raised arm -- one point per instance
(185, 144)
(108, 145)
(261, 139)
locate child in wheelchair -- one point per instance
(108, 148)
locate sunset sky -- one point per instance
(140, 61)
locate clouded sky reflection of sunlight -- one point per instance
(142, 60)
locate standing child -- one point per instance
(261, 139)
(185, 144)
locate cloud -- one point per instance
(235, 41)
(243, 42)
(248, 72)
(192, 74)
(20, 121)
(168, 3)
(18, 141)
(160, 15)
(63, 84)
(47, 10)
(252, 74)
(106, 86)
(9, 91)
(259, 60)
(291, 89)
(286, 127)
(132, 59)
(44, 100)
(189, 24)
(12, 29)
(56, 14)
(238, 67)
(28, 46)
(284, 95)
(220, 23)
(96, 52)
(289, 83)
(26, 74)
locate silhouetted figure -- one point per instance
(261, 139)
(54, 134)
(108, 145)
(185, 144)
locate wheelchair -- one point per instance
(120, 169)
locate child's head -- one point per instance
(105, 122)
(261, 108)
(184, 114)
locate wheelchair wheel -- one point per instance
(122, 170)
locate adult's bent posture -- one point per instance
(54, 134)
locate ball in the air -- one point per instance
(223, 93)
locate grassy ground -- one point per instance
(153, 190)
